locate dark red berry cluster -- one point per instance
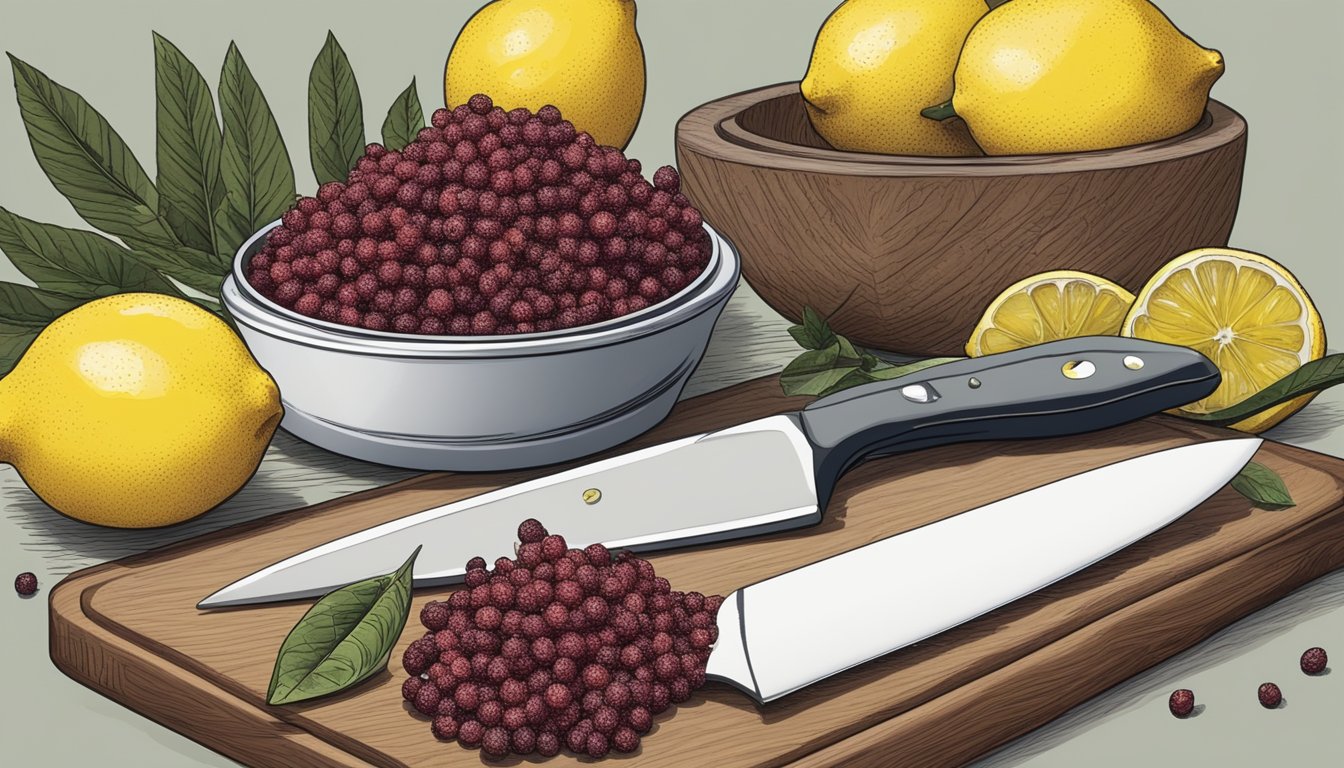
(490, 222)
(557, 648)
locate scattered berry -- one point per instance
(1270, 695)
(1182, 702)
(25, 584)
(1313, 661)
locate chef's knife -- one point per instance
(795, 629)
(765, 476)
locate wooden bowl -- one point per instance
(915, 248)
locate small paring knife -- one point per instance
(765, 476)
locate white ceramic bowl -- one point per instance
(480, 403)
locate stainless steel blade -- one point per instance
(695, 490)
(785, 633)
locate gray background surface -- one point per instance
(1283, 75)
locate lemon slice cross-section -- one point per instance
(1050, 306)
(1243, 311)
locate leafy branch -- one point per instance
(221, 175)
(1310, 377)
(829, 363)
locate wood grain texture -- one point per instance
(924, 244)
(130, 630)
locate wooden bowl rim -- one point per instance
(714, 129)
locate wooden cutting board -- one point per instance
(129, 629)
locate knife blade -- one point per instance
(787, 632)
(765, 476)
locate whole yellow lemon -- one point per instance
(877, 63)
(581, 56)
(136, 410)
(1045, 76)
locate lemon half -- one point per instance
(1243, 311)
(1052, 305)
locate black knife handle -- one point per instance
(1058, 388)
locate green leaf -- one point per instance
(802, 337)
(813, 371)
(14, 341)
(187, 150)
(24, 312)
(852, 377)
(814, 333)
(343, 639)
(817, 328)
(87, 161)
(335, 114)
(255, 165)
(1262, 486)
(857, 376)
(939, 112)
(169, 262)
(72, 262)
(23, 305)
(896, 371)
(404, 119)
(90, 164)
(1311, 377)
(848, 355)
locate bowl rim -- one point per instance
(714, 129)
(711, 288)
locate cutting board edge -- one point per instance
(92, 656)
(931, 719)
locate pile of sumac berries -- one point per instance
(488, 223)
(558, 648)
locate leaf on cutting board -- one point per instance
(255, 166)
(73, 262)
(24, 312)
(1311, 377)
(187, 151)
(1262, 486)
(335, 114)
(404, 119)
(343, 639)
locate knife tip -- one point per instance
(222, 598)
(208, 603)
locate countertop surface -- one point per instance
(1278, 54)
